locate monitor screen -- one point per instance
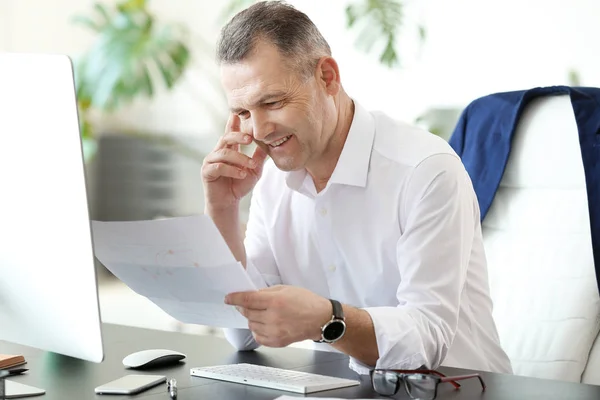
(48, 287)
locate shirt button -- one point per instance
(332, 267)
(323, 211)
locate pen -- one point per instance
(172, 388)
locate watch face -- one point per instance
(334, 330)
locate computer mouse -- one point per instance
(153, 358)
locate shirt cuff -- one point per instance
(398, 340)
(359, 367)
(241, 339)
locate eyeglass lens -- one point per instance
(385, 383)
(418, 386)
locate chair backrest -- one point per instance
(539, 250)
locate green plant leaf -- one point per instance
(366, 39)
(86, 21)
(180, 55)
(389, 57)
(380, 20)
(102, 12)
(574, 77)
(147, 81)
(350, 15)
(89, 148)
(129, 46)
(422, 33)
(131, 5)
(166, 72)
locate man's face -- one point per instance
(287, 115)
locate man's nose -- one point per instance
(261, 127)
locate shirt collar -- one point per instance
(352, 167)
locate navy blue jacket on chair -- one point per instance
(483, 138)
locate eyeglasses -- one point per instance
(419, 384)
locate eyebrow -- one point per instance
(261, 100)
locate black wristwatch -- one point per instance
(334, 329)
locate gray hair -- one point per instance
(291, 31)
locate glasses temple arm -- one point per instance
(427, 371)
(452, 379)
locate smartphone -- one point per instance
(131, 384)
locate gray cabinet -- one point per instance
(139, 179)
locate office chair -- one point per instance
(538, 245)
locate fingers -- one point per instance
(231, 139)
(233, 123)
(231, 157)
(259, 155)
(256, 316)
(227, 163)
(270, 341)
(257, 328)
(263, 336)
(211, 172)
(249, 300)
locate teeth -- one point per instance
(280, 142)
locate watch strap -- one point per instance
(338, 314)
(338, 310)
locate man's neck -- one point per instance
(322, 171)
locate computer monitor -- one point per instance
(48, 283)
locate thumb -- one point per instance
(259, 156)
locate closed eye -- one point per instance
(273, 104)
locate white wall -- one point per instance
(37, 25)
(4, 24)
(474, 47)
(194, 109)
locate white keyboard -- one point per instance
(273, 378)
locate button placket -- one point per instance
(325, 233)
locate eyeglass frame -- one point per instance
(438, 377)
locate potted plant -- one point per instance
(131, 55)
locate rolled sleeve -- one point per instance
(438, 219)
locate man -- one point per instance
(363, 233)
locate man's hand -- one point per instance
(228, 174)
(281, 315)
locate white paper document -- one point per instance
(181, 264)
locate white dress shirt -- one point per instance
(395, 232)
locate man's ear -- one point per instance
(328, 75)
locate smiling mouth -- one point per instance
(280, 141)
